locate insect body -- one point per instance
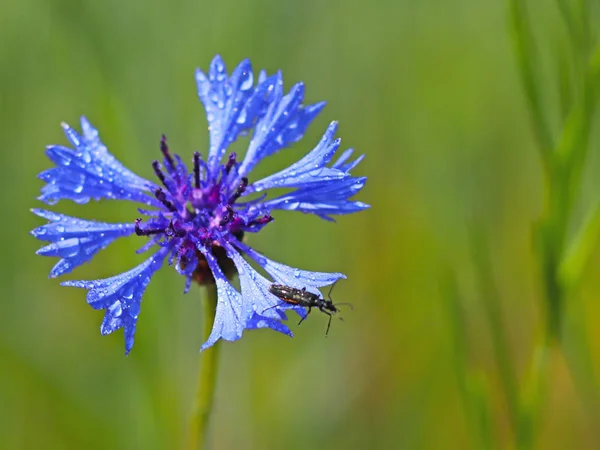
(301, 297)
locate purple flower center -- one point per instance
(199, 211)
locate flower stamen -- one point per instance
(159, 173)
(230, 162)
(239, 191)
(148, 231)
(162, 197)
(197, 158)
(262, 220)
(228, 216)
(164, 148)
(175, 230)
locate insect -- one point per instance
(302, 297)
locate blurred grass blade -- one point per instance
(533, 397)
(565, 80)
(567, 16)
(521, 33)
(595, 64)
(479, 392)
(491, 302)
(583, 16)
(580, 361)
(472, 387)
(581, 248)
(573, 145)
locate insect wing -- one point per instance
(287, 294)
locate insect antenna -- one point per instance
(349, 305)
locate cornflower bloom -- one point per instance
(197, 220)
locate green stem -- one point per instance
(207, 376)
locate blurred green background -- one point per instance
(428, 90)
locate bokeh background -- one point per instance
(428, 90)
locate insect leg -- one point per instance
(275, 306)
(331, 289)
(328, 323)
(302, 318)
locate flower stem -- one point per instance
(207, 375)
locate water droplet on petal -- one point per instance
(242, 117)
(247, 80)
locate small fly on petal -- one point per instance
(306, 299)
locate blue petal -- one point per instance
(309, 170)
(284, 123)
(90, 171)
(288, 275)
(322, 199)
(230, 317)
(232, 104)
(339, 164)
(74, 240)
(121, 295)
(255, 288)
(257, 321)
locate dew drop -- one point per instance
(116, 309)
(247, 80)
(243, 116)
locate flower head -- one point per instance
(197, 219)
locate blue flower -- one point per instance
(197, 220)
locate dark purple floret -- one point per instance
(199, 211)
